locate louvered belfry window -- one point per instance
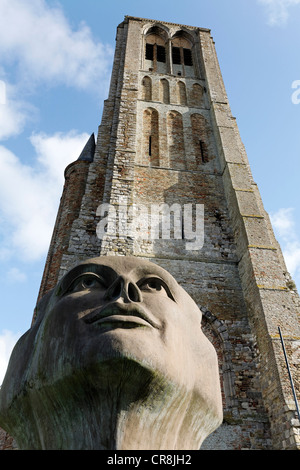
(154, 51)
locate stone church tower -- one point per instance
(167, 136)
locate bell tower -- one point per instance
(168, 179)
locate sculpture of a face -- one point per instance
(108, 309)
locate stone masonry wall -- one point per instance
(265, 282)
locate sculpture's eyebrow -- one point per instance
(105, 272)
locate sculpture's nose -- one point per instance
(124, 288)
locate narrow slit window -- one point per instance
(176, 55)
(149, 51)
(187, 57)
(150, 145)
(203, 153)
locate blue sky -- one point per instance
(55, 64)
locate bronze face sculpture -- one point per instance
(115, 360)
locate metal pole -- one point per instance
(290, 376)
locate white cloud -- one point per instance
(278, 10)
(55, 152)
(29, 195)
(292, 257)
(38, 46)
(39, 39)
(8, 340)
(283, 222)
(15, 275)
(14, 112)
(284, 227)
(2, 92)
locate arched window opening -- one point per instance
(216, 332)
(164, 91)
(151, 137)
(176, 140)
(182, 93)
(182, 56)
(147, 89)
(200, 139)
(196, 95)
(155, 50)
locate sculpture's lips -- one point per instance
(125, 313)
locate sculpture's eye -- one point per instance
(89, 281)
(154, 285)
(86, 281)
